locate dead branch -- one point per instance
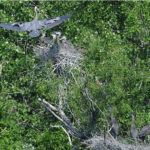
(58, 126)
(60, 98)
(1, 69)
(60, 115)
(93, 103)
(4, 130)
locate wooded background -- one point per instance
(116, 42)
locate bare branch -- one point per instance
(60, 97)
(1, 66)
(50, 108)
(87, 95)
(4, 130)
(49, 105)
(60, 115)
(59, 126)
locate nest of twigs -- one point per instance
(98, 143)
(63, 55)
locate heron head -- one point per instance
(58, 33)
(35, 9)
(64, 38)
(43, 34)
(110, 107)
(132, 113)
(54, 36)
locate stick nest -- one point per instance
(63, 55)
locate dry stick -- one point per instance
(59, 126)
(140, 85)
(108, 131)
(60, 97)
(1, 66)
(63, 118)
(4, 130)
(145, 27)
(86, 91)
(50, 108)
(104, 135)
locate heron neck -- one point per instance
(36, 14)
(58, 41)
(112, 117)
(133, 119)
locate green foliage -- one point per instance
(115, 36)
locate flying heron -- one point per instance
(33, 27)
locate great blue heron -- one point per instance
(47, 40)
(114, 123)
(34, 26)
(58, 34)
(144, 132)
(62, 42)
(133, 131)
(65, 42)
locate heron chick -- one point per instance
(133, 131)
(115, 126)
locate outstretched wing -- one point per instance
(35, 25)
(50, 23)
(18, 26)
(13, 26)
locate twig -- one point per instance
(1, 66)
(60, 115)
(59, 126)
(4, 130)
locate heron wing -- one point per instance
(18, 26)
(50, 23)
(13, 26)
(26, 26)
(145, 130)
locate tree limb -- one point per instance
(59, 126)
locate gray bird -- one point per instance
(144, 132)
(47, 40)
(114, 123)
(58, 34)
(34, 26)
(133, 131)
(65, 42)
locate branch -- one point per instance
(1, 68)
(58, 126)
(60, 98)
(60, 115)
(93, 103)
(49, 105)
